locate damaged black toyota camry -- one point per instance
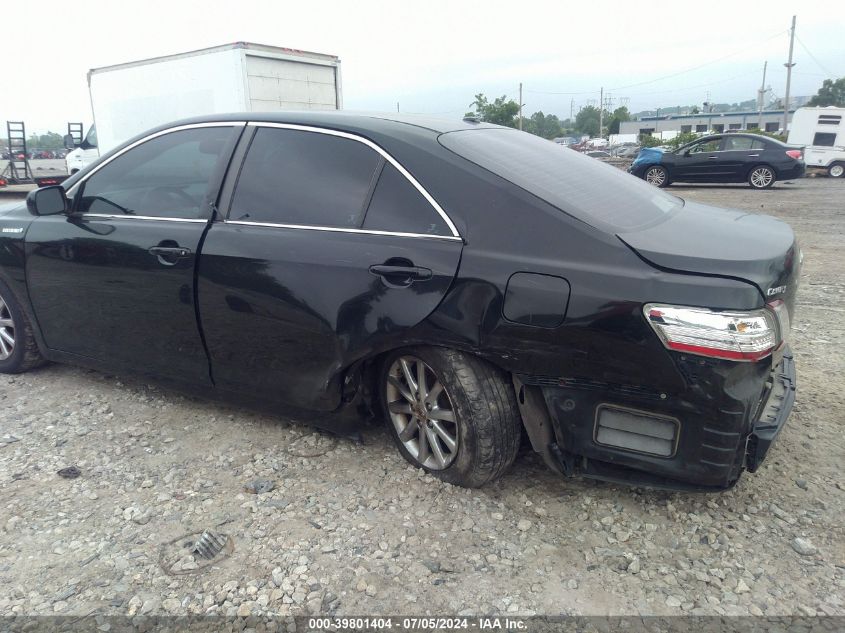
(461, 280)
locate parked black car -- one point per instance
(461, 279)
(752, 158)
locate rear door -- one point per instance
(329, 251)
(113, 282)
(739, 153)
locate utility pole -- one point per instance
(601, 111)
(397, 106)
(572, 112)
(520, 105)
(789, 66)
(761, 97)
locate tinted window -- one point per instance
(705, 146)
(743, 143)
(583, 187)
(825, 139)
(397, 206)
(167, 176)
(310, 178)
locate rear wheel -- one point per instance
(451, 414)
(18, 349)
(657, 176)
(761, 177)
(836, 170)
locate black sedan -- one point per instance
(462, 281)
(752, 158)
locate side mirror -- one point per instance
(47, 201)
(686, 152)
(69, 141)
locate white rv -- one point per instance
(131, 98)
(822, 132)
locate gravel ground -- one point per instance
(350, 528)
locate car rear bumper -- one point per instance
(669, 443)
(773, 414)
(796, 171)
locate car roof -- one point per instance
(340, 119)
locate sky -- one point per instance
(432, 56)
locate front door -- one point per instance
(700, 161)
(113, 282)
(328, 254)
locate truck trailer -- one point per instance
(127, 99)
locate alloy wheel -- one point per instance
(655, 176)
(837, 171)
(7, 331)
(762, 177)
(422, 413)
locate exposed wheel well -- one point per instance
(367, 391)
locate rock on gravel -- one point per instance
(803, 546)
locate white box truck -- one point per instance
(822, 132)
(128, 99)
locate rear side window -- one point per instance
(824, 139)
(592, 191)
(304, 178)
(398, 207)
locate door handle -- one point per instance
(400, 276)
(753, 155)
(169, 255)
(712, 157)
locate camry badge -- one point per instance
(775, 290)
(12, 230)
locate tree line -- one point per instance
(504, 111)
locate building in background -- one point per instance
(669, 125)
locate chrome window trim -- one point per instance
(179, 128)
(130, 216)
(340, 229)
(383, 154)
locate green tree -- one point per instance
(587, 121)
(502, 111)
(775, 135)
(619, 115)
(681, 139)
(545, 125)
(832, 93)
(647, 140)
(48, 141)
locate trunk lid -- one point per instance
(704, 240)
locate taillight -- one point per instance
(795, 153)
(743, 336)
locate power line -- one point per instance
(682, 72)
(688, 88)
(670, 76)
(813, 57)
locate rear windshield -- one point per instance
(596, 193)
